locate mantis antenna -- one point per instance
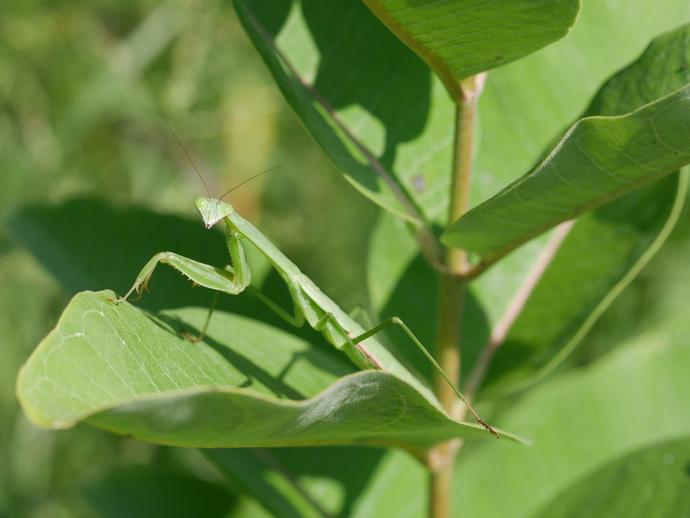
(196, 169)
(248, 180)
(189, 157)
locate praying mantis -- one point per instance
(309, 303)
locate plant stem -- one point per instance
(442, 457)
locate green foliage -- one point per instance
(355, 123)
(604, 413)
(144, 380)
(142, 492)
(625, 234)
(93, 186)
(625, 401)
(460, 38)
(603, 156)
(572, 295)
(652, 481)
(579, 176)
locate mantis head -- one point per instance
(212, 210)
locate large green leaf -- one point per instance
(652, 481)
(246, 385)
(459, 38)
(600, 157)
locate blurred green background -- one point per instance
(84, 90)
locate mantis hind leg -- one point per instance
(396, 321)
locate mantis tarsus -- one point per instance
(310, 304)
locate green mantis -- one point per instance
(310, 304)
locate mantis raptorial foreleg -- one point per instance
(309, 303)
(230, 280)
